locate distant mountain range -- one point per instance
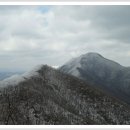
(82, 92)
(4, 75)
(101, 72)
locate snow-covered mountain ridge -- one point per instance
(48, 96)
(102, 72)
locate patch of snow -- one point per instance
(55, 66)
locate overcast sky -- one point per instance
(33, 35)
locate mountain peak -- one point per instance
(76, 63)
(96, 58)
(91, 63)
(100, 71)
(91, 55)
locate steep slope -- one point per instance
(101, 72)
(48, 96)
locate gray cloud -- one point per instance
(31, 35)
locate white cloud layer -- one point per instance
(32, 35)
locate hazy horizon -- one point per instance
(33, 35)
